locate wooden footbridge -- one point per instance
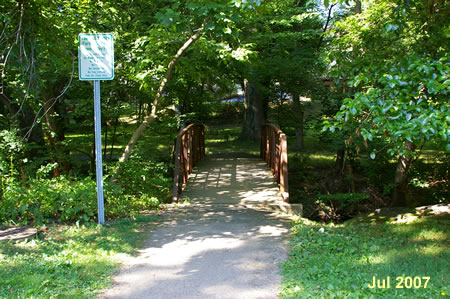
(231, 179)
(225, 244)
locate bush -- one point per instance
(12, 158)
(342, 200)
(139, 177)
(49, 200)
(63, 200)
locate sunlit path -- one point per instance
(232, 180)
(221, 246)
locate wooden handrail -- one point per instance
(274, 152)
(189, 149)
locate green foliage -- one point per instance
(145, 177)
(286, 35)
(380, 171)
(429, 178)
(407, 104)
(344, 199)
(229, 111)
(400, 83)
(224, 139)
(74, 261)
(12, 153)
(49, 199)
(329, 261)
(63, 200)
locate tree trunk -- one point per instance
(36, 136)
(113, 138)
(298, 110)
(351, 177)
(25, 119)
(339, 165)
(401, 177)
(300, 134)
(358, 6)
(150, 118)
(55, 131)
(254, 111)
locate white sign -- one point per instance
(96, 56)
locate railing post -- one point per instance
(284, 187)
(203, 142)
(177, 169)
(185, 158)
(273, 149)
(189, 149)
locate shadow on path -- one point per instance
(217, 247)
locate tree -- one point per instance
(396, 59)
(285, 36)
(156, 102)
(17, 66)
(212, 18)
(254, 117)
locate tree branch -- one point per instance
(326, 25)
(149, 119)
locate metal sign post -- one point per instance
(98, 151)
(96, 62)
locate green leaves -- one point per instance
(401, 105)
(326, 3)
(168, 17)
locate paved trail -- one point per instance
(217, 247)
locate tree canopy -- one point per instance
(376, 72)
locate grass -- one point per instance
(69, 260)
(158, 137)
(224, 139)
(78, 261)
(340, 261)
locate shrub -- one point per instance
(343, 199)
(139, 177)
(63, 200)
(12, 153)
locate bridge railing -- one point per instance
(189, 149)
(274, 152)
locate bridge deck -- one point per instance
(232, 179)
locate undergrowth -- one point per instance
(340, 261)
(69, 261)
(62, 199)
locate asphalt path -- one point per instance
(224, 244)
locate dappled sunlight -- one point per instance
(180, 251)
(214, 249)
(372, 259)
(347, 258)
(433, 250)
(405, 218)
(232, 180)
(323, 156)
(431, 156)
(230, 289)
(223, 242)
(431, 236)
(272, 230)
